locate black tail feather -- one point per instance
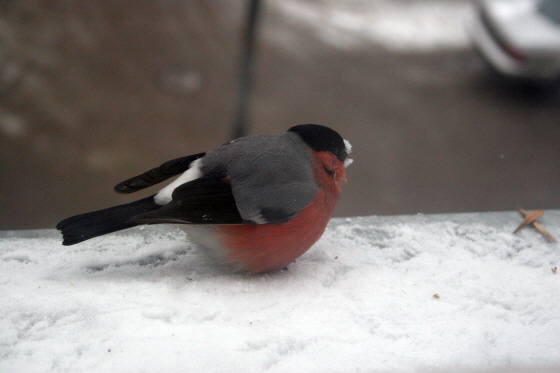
(82, 227)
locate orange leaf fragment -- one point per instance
(535, 224)
(529, 219)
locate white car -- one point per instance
(519, 38)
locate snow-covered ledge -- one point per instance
(402, 293)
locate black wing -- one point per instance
(157, 175)
(207, 200)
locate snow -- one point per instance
(405, 293)
(348, 147)
(399, 26)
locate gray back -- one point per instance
(271, 176)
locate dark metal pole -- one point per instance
(240, 124)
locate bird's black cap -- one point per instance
(322, 139)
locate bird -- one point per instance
(256, 203)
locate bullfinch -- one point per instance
(257, 202)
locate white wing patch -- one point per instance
(256, 218)
(164, 196)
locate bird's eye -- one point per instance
(328, 170)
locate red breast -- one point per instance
(269, 247)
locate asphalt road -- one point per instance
(433, 132)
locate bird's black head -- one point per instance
(322, 139)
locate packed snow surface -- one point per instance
(410, 293)
(396, 25)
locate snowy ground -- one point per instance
(411, 293)
(420, 26)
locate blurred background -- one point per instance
(94, 92)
